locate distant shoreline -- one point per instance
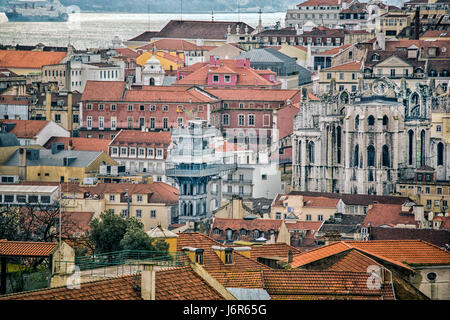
(171, 12)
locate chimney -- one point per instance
(148, 280)
(224, 253)
(245, 251)
(48, 105)
(69, 113)
(70, 147)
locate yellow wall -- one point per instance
(296, 202)
(293, 52)
(165, 63)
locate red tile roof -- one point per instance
(320, 202)
(84, 144)
(167, 94)
(246, 76)
(280, 250)
(143, 139)
(103, 90)
(313, 3)
(26, 129)
(250, 279)
(353, 261)
(388, 214)
(238, 224)
(29, 59)
(171, 45)
(173, 284)
(312, 97)
(333, 51)
(211, 260)
(350, 66)
(26, 249)
(254, 94)
(126, 52)
(14, 100)
(399, 252)
(311, 285)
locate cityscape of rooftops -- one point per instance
(241, 151)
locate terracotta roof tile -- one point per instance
(251, 279)
(353, 261)
(26, 129)
(388, 214)
(26, 249)
(246, 76)
(350, 66)
(138, 138)
(238, 224)
(309, 284)
(29, 59)
(83, 144)
(103, 90)
(15, 100)
(211, 260)
(173, 284)
(399, 252)
(254, 94)
(171, 45)
(280, 250)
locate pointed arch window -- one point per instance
(440, 154)
(385, 158)
(311, 152)
(339, 143)
(371, 156)
(385, 120)
(371, 120)
(356, 156)
(356, 122)
(410, 146)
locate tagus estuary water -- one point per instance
(96, 30)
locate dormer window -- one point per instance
(199, 256)
(215, 78)
(375, 57)
(227, 78)
(229, 256)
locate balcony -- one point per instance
(210, 170)
(238, 181)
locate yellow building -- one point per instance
(169, 61)
(392, 23)
(426, 190)
(54, 165)
(304, 208)
(155, 204)
(293, 51)
(342, 77)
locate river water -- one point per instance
(96, 30)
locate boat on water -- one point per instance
(36, 11)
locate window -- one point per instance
(152, 108)
(45, 199)
(132, 152)
(264, 176)
(139, 198)
(278, 215)
(308, 217)
(101, 107)
(439, 190)
(241, 119)
(428, 177)
(356, 156)
(141, 107)
(385, 120)
(251, 119)
(428, 204)
(152, 123)
(328, 75)
(199, 256)
(225, 119)
(180, 122)
(420, 177)
(436, 203)
(243, 232)
(141, 152)
(371, 120)
(89, 122)
(266, 120)
(150, 152)
(241, 106)
(440, 154)
(123, 151)
(165, 109)
(427, 190)
(124, 213)
(320, 217)
(227, 78)
(89, 106)
(9, 198)
(392, 72)
(385, 159)
(57, 118)
(356, 122)
(31, 199)
(112, 197)
(228, 255)
(341, 76)
(159, 153)
(215, 78)
(113, 123)
(113, 107)
(139, 213)
(152, 214)
(130, 122)
(165, 123)
(114, 151)
(130, 107)
(101, 123)
(370, 156)
(438, 128)
(311, 152)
